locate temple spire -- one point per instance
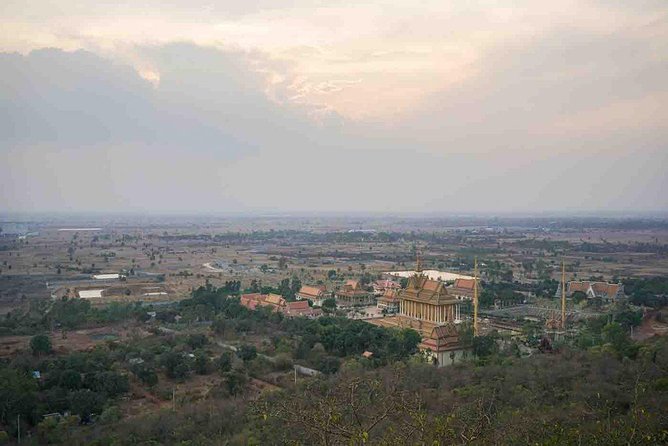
(418, 261)
(563, 295)
(475, 296)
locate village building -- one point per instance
(381, 286)
(463, 289)
(316, 294)
(279, 305)
(353, 294)
(301, 308)
(254, 300)
(607, 291)
(389, 302)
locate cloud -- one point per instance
(455, 118)
(561, 91)
(206, 99)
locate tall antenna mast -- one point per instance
(563, 295)
(475, 296)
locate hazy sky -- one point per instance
(442, 106)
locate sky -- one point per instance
(312, 106)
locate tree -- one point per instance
(85, 403)
(295, 286)
(578, 296)
(175, 365)
(146, 374)
(282, 263)
(218, 326)
(196, 341)
(235, 381)
(247, 352)
(70, 379)
(224, 362)
(484, 346)
(40, 344)
(329, 304)
(329, 364)
(201, 363)
(17, 396)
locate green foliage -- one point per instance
(235, 381)
(652, 292)
(329, 304)
(111, 415)
(40, 344)
(329, 364)
(502, 291)
(247, 352)
(176, 365)
(85, 403)
(578, 296)
(196, 341)
(146, 374)
(484, 346)
(18, 396)
(70, 379)
(224, 362)
(201, 363)
(568, 398)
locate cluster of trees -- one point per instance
(575, 397)
(336, 337)
(651, 292)
(502, 291)
(65, 314)
(571, 398)
(82, 383)
(611, 333)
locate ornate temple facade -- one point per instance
(428, 307)
(353, 294)
(428, 300)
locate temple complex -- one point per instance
(427, 300)
(427, 306)
(353, 294)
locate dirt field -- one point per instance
(74, 340)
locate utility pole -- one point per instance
(475, 296)
(18, 427)
(563, 295)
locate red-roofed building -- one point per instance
(254, 300)
(380, 286)
(389, 302)
(278, 304)
(316, 294)
(602, 290)
(462, 289)
(301, 308)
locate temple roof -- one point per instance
(422, 289)
(313, 291)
